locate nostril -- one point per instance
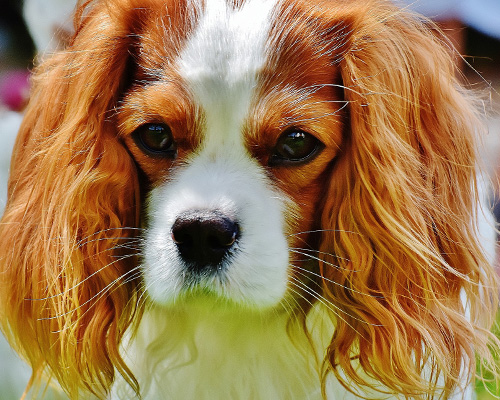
(181, 233)
(204, 238)
(220, 233)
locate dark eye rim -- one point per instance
(276, 160)
(171, 152)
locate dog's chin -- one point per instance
(205, 302)
(219, 287)
(204, 297)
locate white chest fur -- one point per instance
(207, 353)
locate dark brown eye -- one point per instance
(295, 147)
(156, 139)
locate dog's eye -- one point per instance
(295, 147)
(156, 139)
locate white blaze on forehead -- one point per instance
(220, 65)
(221, 61)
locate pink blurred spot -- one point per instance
(14, 89)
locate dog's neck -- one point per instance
(206, 352)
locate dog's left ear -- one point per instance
(399, 239)
(68, 280)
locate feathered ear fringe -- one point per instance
(68, 278)
(400, 218)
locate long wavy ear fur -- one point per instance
(67, 283)
(400, 214)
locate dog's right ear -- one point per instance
(400, 216)
(68, 280)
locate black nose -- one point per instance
(204, 237)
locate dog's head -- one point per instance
(270, 154)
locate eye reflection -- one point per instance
(156, 139)
(295, 147)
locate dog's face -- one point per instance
(235, 135)
(264, 153)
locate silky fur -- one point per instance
(268, 357)
(381, 226)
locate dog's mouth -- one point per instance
(212, 251)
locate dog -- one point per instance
(260, 199)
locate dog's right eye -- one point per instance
(156, 139)
(295, 147)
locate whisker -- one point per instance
(133, 277)
(319, 259)
(109, 230)
(104, 239)
(304, 272)
(323, 85)
(299, 250)
(320, 116)
(144, 296)
(86, 278)
(329, 305)
(300, 295)
(323, 230)
(97, 296)
(291, 308)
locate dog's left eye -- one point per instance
(156, 139)
(295, 147)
